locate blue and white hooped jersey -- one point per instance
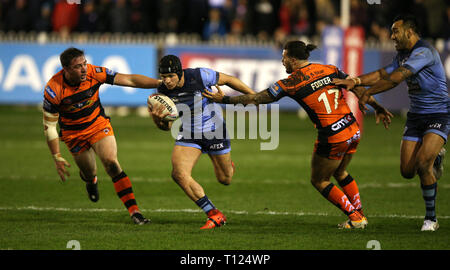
(427, 88)
(205, 114)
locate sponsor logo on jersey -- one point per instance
(341, 123)
(98, 70)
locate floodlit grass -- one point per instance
(270, 205)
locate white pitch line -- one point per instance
(393, 185)
(160, 210)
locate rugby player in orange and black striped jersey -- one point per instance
(338, 133)
(71, 98)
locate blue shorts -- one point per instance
(417, 125)
(214, 146)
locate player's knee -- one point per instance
(112, 167)
(225, 179)
(407, 173)
(179, 176)
(340, 175)
(315, 183)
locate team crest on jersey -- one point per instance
(50, 91)
(98, 70)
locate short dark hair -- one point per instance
(66, 56)
(409, 21)
(170, 64)
(298, 49)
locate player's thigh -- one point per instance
(184, 159)
(428, 151)
(408, 155)
(106, 149)
(222, 166)
(86, 163)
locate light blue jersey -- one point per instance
(427, 88)
(206, 116)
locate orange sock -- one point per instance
(350, 189)
(122, 185)
(338, 198)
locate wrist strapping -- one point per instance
(356, 80)
(226, 100)
(58, 157)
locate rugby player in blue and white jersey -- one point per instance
(427, 124)
(202, 131)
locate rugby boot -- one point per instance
(215, 219)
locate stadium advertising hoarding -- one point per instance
(260, 67)
(26, 68)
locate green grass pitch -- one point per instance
(270, 204)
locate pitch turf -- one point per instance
(270, 205)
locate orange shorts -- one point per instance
(337, 151)
(82, 140)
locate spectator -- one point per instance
(65, 17)
(435, 10)
(103, 9)
(43, 23)
(285, 15)
(169, 15)
(264, 18)
(138, 21)
(17, 18)
(197, 12)
(358, 14)
(89, 18)
(419, 10)
(446, 24)
(215, 25)
(302, 25)
(326, 14)
(118, 17)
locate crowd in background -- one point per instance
(264, 19)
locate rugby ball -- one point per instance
(169, 105)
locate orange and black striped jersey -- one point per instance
(78, 106)
(324, 102)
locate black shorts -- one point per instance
(417, 125)
(207, 144)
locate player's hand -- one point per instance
(61, 166)
(348, 84)
(216, 97)
(383, 115)
(157, 113)
(363, 101)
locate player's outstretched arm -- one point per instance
(136, 81)
(386, 83)
(234, 83)
(262, 97)
(50, 121)
(368, 79)
(381, 113)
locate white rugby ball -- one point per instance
(169, 105)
